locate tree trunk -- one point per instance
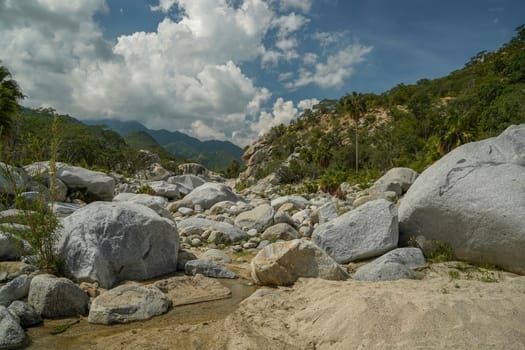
(356, 151)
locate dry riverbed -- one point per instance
(468, 308)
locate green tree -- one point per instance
(10, 95)
(354, 105)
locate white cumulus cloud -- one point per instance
(186, 75)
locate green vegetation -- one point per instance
(10, 95)
(409, 125)
(442, 252)
(36, 214)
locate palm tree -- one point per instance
(354, 105)
(455, 135)
(10, 94)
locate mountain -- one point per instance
(78, 144)
(215, 155)
(407, 126)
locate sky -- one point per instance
(232, 69)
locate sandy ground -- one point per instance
(437, 312)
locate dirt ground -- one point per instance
(464, 309)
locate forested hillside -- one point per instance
(409, 125)
(30, 132)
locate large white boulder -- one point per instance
(282, 263)
(259, 218)
(127, 303)
(210, 193)
(186, 183)
(109, 242)
(365, 232)
(474, 199)
(57, 297)
(157, 203)
(95, 183)
(165, 189)
(394, 265)
(397, 180)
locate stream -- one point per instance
(81, 334)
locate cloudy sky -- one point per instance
(231, 69)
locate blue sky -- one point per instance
(231, 69)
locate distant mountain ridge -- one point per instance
(214, 154)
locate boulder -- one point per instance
(394, 265)
(473, 199)
(26, 313)
(280, 231)
(298, 202)
(183, 258)
(11, 333)
(282, 263)
(18, 288)
(210, 193)
(164, 189)
(64, 209)
(97, 185)
(227, 232)
(398, 180)
(365, 232)
(183, 290)
(217, 256)
(208, 268)
(186, 183)
(12, 247)
(327, 212)
(57, 297)
(109, 242)
(12, 179)
(193, 168)
(282, 217)
(259, 218)
(128, 303)
(157, 203)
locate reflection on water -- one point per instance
(79, 335)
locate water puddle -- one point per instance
(81, 335)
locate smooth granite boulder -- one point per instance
(26, 313)
(96, 184)
(57, 297)
(397, 180)
(394, 265)
(208, 268)
(157, 203)
(474, 199)
(282, 263)
(16, 289)
(128, 303)
(12, 247)
(280, 231)
(12, 335)
(210, 193)
(365, 232)
(259, 218)
(109, 242)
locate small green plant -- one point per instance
(453, 274)
(145, 189)
(489, 277)
(442, 252)
(240, 186)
